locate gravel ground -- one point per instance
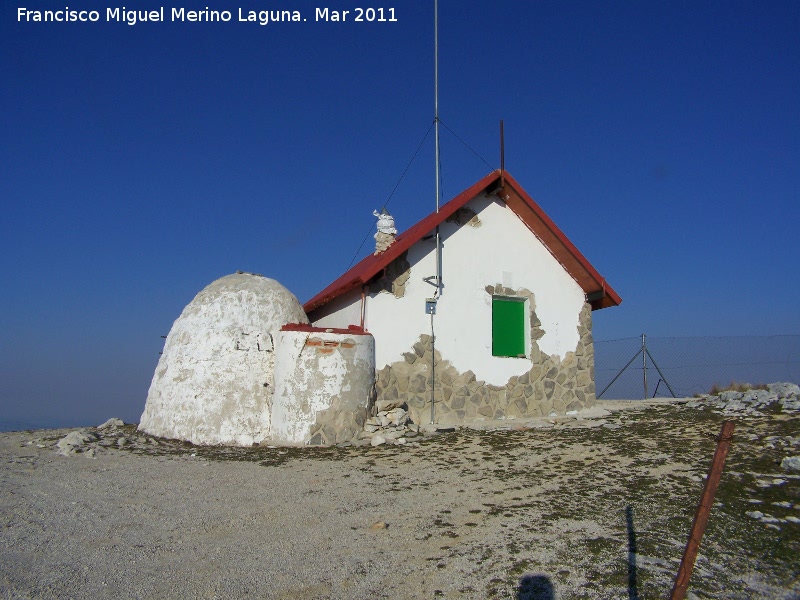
(568, 508)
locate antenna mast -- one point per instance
(437, 160)
(431, 303)
(436, 93)
(437, 157)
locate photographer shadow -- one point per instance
(633, 591)
(539, 587)
(535, 587)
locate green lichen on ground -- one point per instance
(599, 512)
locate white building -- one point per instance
(507, 333)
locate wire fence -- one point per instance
(647, 367)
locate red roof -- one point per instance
(351, 329)
(599, 294)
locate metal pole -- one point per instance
(655, 391)
(644, 364)
(664, 379)
(433, 372)
(438, 196)
(502, 155)
(437, 157)
(436, 91)
(703, 511)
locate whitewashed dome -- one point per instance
(214, 381)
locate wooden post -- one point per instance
(703, 511)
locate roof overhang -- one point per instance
(598, 293)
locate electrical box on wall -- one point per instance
(430, 306)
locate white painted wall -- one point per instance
(214, 381)
(310, 378)
(502, 250)
(342, 311)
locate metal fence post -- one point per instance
(644, 364)
(693, 364)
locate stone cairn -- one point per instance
(88, 441)
(390, 425)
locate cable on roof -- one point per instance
(470, 148)
(408, 166)
(396, 185)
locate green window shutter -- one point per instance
(508, 327)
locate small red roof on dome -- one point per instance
(351, 329)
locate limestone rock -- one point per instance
(111, 423)
(791, 463)
(398, 416)
(754, 402)
(594, 412)
(382, 242)
(784, 390)
(387, 405)
(75, 441)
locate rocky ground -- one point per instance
(594, 505)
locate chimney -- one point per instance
(386, 231)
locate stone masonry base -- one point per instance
(550, 387)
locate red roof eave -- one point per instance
(610, 297)
(574, 262)
(369, 267)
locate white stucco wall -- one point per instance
(501, 250)
(214, 381)
(342, 311)
(316, 371)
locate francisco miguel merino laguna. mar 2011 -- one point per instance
(180, 14)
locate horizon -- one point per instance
(142, 162)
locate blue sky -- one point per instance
(140, 163)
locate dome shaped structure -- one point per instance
(214, 381)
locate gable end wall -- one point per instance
(487, 251)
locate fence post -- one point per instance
(703, 511)
(644, 364)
